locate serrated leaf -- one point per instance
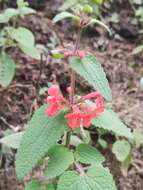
(87, 154)
(23, 36)
(60, 159)
(68, 4)
(121, 149)
(7, 69)
(97, 178)
(12, 140)
(33, 185)
(62, 16)
(91, 70)
(110, 121)
(41, 134)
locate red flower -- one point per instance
(79, 53)
(55, 101)
(83, 114)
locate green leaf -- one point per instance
(126, 163)
(49, 187)
(8, 14)
(41, 134)
(109, 120)
(30, 51)
(60, 160)
(121, 149)
(7, 69)
(68, 4)
(88, 155)
(12, 140)
(27, 10)
(62, 16)
(23, 36)
(138, 50)
(75, 140)
(91, 70)
(138, 137)
(33, 185)
(97, 178)
(95, 21)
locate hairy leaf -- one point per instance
(88, 155)
(23, 36)
(97, 178)
(33, 185)
(121, 149)
(109, 120)
(12, 140)
(91, 70)
(7, 69)
(31, 51)
(60, 159)
(49, 187)
(8, 14)
(41, 134)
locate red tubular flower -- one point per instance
(55, 100)
(79, 53)
(83, 114)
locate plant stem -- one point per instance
(72, 72)
(79, 168)
(68, 135)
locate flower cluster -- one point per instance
(82, 113)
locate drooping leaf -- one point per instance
(95, 21)
(91, 70)
(12, 140)
(63, 15)
(23, 36)
(121, 149)
(88, 155)
(41, 134)
(33, 185)
(109, 120)
(97, 178)
(60, 159)
(7, 69)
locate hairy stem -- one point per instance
(72, 84)
(72, 72)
